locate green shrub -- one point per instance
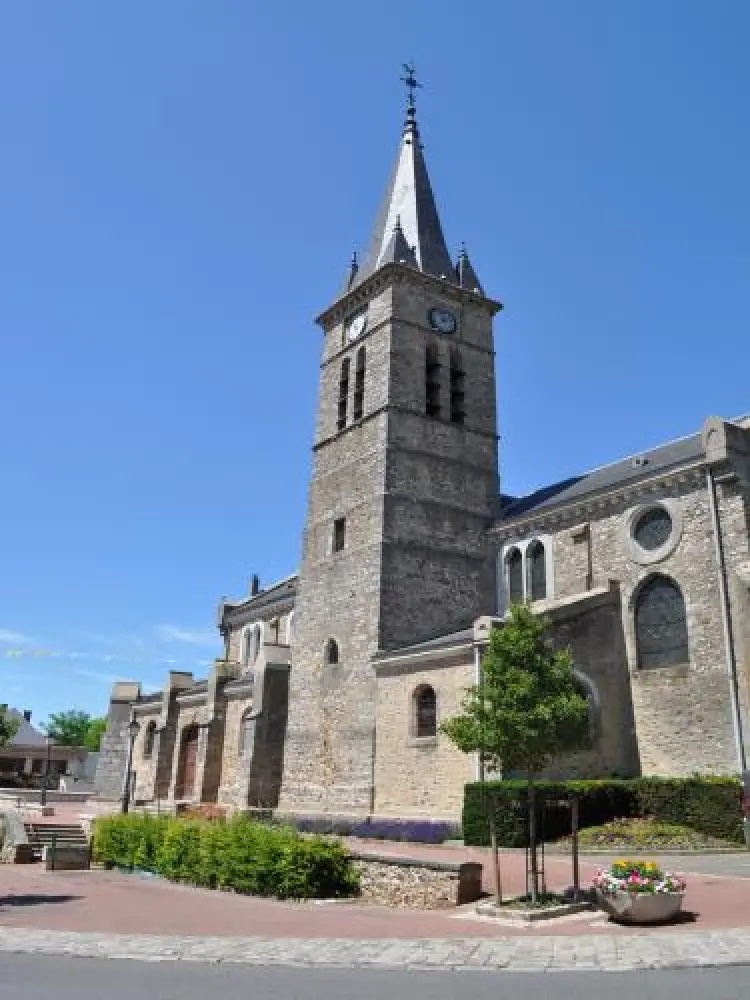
(708, 805)
(241, 855)
(128, 841)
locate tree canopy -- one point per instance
(8, 727)
(528, 706)
(75, 728)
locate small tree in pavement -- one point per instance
(526, 709)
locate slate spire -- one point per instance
(409, 205)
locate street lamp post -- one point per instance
(49, 741)
(132, 733)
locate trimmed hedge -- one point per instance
(241, 855)
(708, 805)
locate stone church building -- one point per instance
(334, 681)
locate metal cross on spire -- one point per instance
(410, 79)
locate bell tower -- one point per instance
(403, 486)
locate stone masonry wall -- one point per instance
(429, 886)
(235, 766)
(110, 769)
(682, 713)
(396, 566)
(420, 777)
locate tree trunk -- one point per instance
(495, 856)
(532, 844)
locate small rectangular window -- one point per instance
(339, 534)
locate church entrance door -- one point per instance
(186, 777)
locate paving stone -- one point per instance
(604, 953)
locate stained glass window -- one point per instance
(537, 571)
(660, 624)
(653, 528)
(515, 576)
(425, 710)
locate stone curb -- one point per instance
(575, 953)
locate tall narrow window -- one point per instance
(457, 388)
(253, 642)
(432, 381)
(148, 739)
(339, 534)
(275, 628)
(332, 652)
(661, 624)
(514, 564)
(359, 385)
(537, 569)
(425, 711)
(343, 393)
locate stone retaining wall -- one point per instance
(428, 885)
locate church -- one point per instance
(333, 682)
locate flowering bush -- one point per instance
(416, 831)
(637, 877)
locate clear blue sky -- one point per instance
(181, 186)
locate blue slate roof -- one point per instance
(668, 456)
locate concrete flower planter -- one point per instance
(640, 907)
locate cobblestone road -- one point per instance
(580, 952)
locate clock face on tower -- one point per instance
(355, 327)
(442, 320)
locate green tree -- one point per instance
(94, 732)
(69, 728)
(8, 727)
(527, 708)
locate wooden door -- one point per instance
(186, 784)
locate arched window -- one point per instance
(359, 386)
(589, 691)
(425, 711)
(457, 388)
(661, 624)
(514, 565)
(332, 652)
(343, 393)
(247, 725)
(148, 739)
(253, 642)
(537, 570)
(432, 381)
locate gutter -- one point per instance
(729, 650)
(479, 775)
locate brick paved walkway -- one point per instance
(104, 914)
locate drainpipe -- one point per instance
(477, 681)
(729, 651)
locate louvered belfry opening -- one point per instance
(457, 388)
(359, 385)
(432, 380)
(343, 393)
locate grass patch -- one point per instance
(652, 834)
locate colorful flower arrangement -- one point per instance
(630, 876)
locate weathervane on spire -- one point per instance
(410, 79)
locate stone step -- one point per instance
(42, 835)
